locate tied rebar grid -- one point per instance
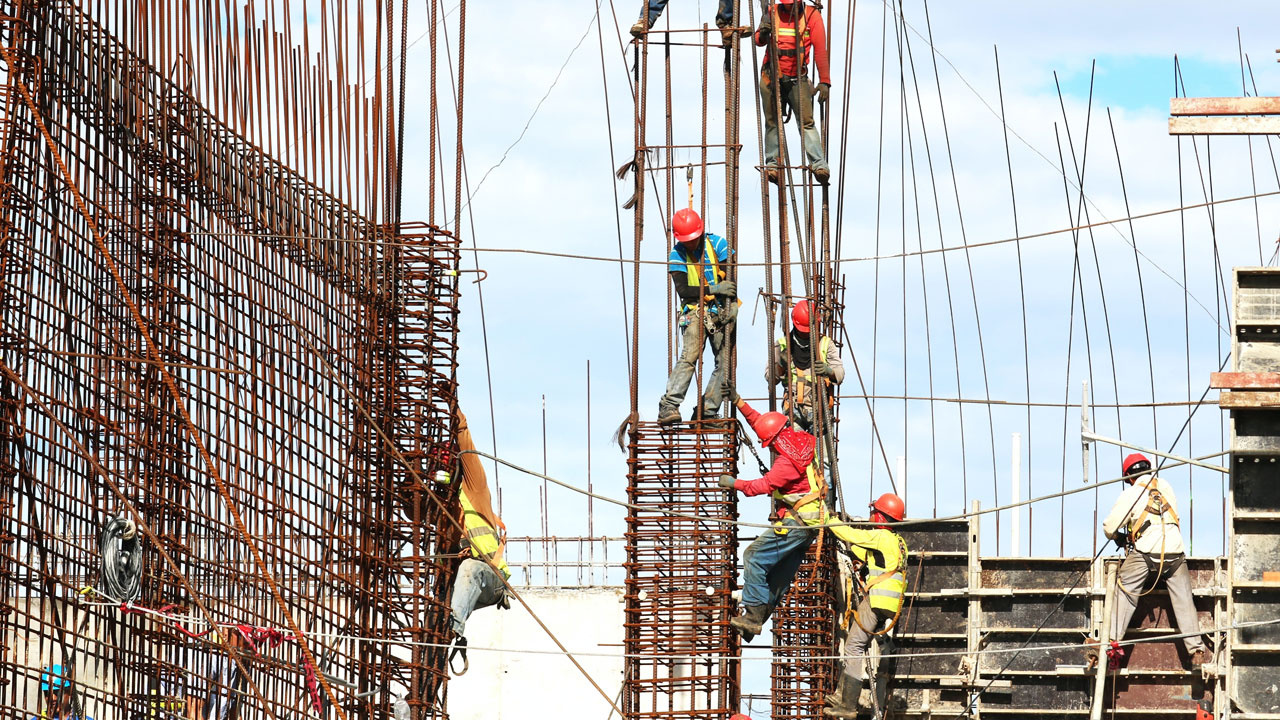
(188, 327)
(804, 630)
(681, 573)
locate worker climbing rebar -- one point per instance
(477, 584)
(797, 29)
(653, 9)
(800, 368)
(797, 487)
(872, 599)
(708, 309)
(1144, 520)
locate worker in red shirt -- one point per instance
(796, 28)
(798, 489)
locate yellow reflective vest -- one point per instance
(885, 554)
(809, 507)
(484, 540)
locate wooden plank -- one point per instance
(1225, 106)
(1227, 125)
(1244, 381)
(1228, 400)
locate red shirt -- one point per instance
(784, 475)
(815, 37)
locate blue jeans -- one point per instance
(476, 586)
(771, 561)
(724, 17)
(796, 93)
(691, 342)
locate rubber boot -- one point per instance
(751, 621)
(843, 703)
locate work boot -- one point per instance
(729, 36)
(843, 703)
(822, 174)
(750, 622)
(640, 28)
(771, 174)
(668, 415)
(1199, 657)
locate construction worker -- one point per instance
(709, 305)
(654, 8)
(872, 599)
(796, 28)
(797, 487)
(59, 696)
(477, 584)
(1144, 520)
(795, 364)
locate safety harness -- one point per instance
(807, 507)
(800, 30)
(800, 380)
(1158, 506)
(878, 598)
(696, 271)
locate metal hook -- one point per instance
(484, 274)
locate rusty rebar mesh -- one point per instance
(804, 626)
(681, 572)
(294, 335)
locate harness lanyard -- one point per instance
(1133, 540)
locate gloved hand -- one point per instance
(821, 369)
(443, 477)
(822, 91)
(734, 397)
(766, 28)
(726, 482)
(728, 288)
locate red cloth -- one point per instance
(785, 475)
(787, 45)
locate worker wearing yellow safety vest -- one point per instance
(1145, 521)
(708, 307)
(477, 584)
(872, 600)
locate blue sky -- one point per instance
(545, 318)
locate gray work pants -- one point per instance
(798, 94)
(858, 640)
(1134, 574)
(476, 586)
(697, 328)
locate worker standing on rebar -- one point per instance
(797, 28)
(1144, 520)
(800, 368)
(698, 265)
(653, 9)
(797, 487)
(872, 597)
(59, 696)
(477, 584)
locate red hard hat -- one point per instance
(800, 316)
(891, 506)
(738, 716)
(784, 2)
(768, 425)
(1127, 467)
(686, 225)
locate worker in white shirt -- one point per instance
(1144, 520)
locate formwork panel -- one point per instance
(681, 571)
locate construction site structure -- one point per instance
(250, 365)
(681, 543)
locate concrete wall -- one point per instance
(522, 685)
